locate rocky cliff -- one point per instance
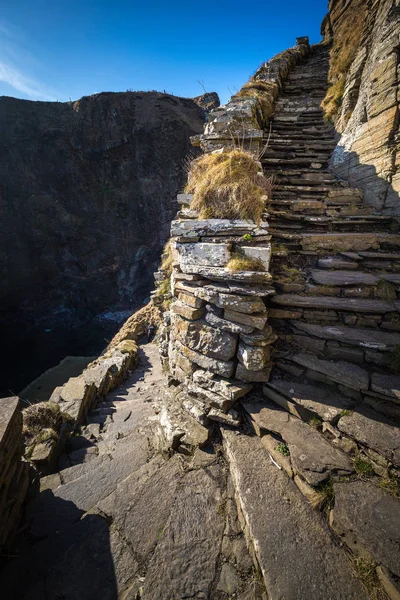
(363, 99)
(86, 198)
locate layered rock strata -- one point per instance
(14, 472)
(365, 65)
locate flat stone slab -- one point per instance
(265, 337)
(185, 561)
(365, 338)
(323, 401)
(348, 304)
(311, 454)
(216, 255)
(342, 372)
(199, 228)
(344, 278)
(221, 274)
(187, 312)
(368, 517)
(255, 320)
(336, 263)
(373, 430)
(225, 325)
(388, 385)
(294, 548)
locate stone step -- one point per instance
(370, 339)
(341, 372)
(346, 277)
(337, 304)
(185, 561)
(69, 501)
(361, 508)
(349, 242)
(311, 454)
(275, 514)
(305, 399)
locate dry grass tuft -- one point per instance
(241, 262)
(228, 185)
(137, 324)
(42, 421)
(264, 91)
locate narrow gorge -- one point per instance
(239, 435)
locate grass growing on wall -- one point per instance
(346, 41)
(241, 262)
(228, 185)
(264, 91)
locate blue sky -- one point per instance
(61, 50)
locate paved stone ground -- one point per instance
(120, 520)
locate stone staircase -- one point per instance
(331, 410)
(194, 485)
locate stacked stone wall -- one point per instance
(242, 121)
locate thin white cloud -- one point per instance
(14, 61)
(23, 84)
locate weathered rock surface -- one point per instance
(104, 174)
(342, 372)
(368, 518)
(189, 541)
(366, 154)
(373, 431)
(296, 554)
(322, 401)
(14, 476)
(199, 336)
(220, 367)
(311, 454)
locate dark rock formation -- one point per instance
(87, 194)
(363, 100)
(207, 101)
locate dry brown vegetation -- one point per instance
(241, 262)
(264, 91)
(228, 185)
(41, 422)
(137, 324)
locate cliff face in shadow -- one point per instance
(87, 193)
(363, 100)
